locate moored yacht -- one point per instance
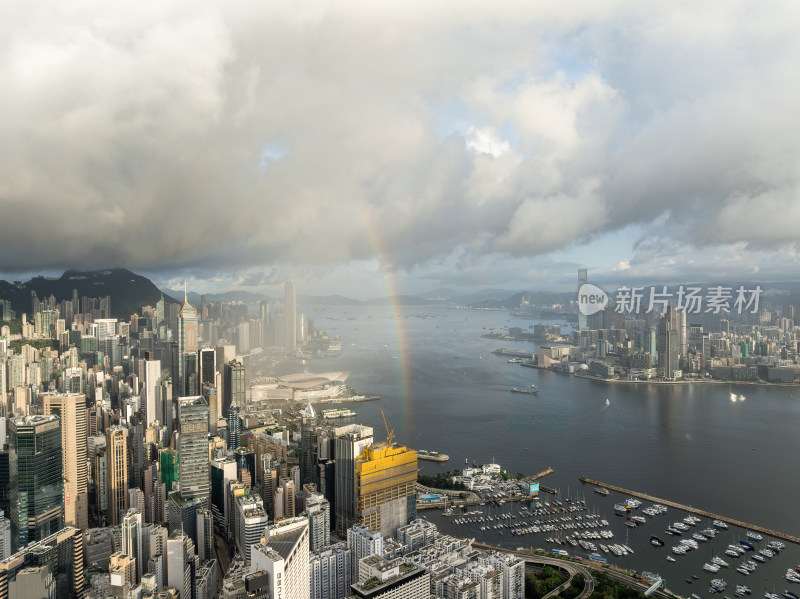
(719, 561)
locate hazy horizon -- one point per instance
(401, 148)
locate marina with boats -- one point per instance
(713, 552)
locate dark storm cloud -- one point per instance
(250, 134)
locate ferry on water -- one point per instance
(433, 456)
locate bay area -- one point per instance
(729, 449)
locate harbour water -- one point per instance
(728, 449)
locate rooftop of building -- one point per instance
(192, 400)
(373, 585)
(34, 419)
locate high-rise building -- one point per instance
(98, 545)
(683, 334)
(150, 377)
(106, 328)
(5, 471)
(154, 551)
(122, 573)
(330, 571)
(223, 470)
(180, 563)
(307, 446)
(132, 538)
(164, 403)
(5, 536)
(36, 478)
(265, 324)
(285, 557)
(288, 488)
(350, 441)
(233, 386)
(210, 393)
(117, 476)
(193, 447)
(205, 535)
(582, 280)
(208, 366)
(251, 520)
(188, 323)
(318, 512)
(234, 426)
(71, 409)
(100, 470)
(668, 342)
(362, 542)
(61, 553)
(290, 317)
(386, 474)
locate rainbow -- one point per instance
(400, 333)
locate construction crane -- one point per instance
(389, 433)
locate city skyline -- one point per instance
(555, 241)
(657, 142)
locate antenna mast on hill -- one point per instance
(389, 433)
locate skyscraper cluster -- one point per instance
(134, 448)
(672, 333)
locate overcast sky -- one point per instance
(429, 143)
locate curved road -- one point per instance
(570, 568)
(573, 568)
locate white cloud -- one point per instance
(486, 141)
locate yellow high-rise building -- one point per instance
(384, 483)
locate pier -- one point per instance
(687, 508)
(542, 474)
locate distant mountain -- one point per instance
(401, 300)
(327, 300)
(128, 291)
(442, 293)
(246, 297)
(483, 295)
(512, 302)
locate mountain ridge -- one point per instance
(128, 291)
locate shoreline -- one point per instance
(692, 382)
(657, 382)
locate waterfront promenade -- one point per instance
(687, 508)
